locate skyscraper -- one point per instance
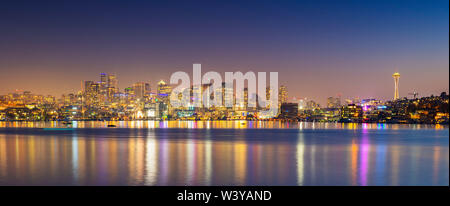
(396, 76)
(163, 88)
(140, 89)
(91, 92)
(282, 95)
(112, 82)
(163, 91)
(87, 86)
(103, 81)
(227, 94)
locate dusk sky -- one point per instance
(319, 48)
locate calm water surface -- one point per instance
(223, 153)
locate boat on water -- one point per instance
(111, 125)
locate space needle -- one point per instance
(396, 76)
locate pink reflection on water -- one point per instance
(365, 147)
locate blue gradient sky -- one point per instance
(320, 48)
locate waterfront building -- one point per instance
(351, 113)
(330, 114)
(289, 111)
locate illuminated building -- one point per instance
(351, 113)
(103, 81)
(91, 92)
(333, 102)
(94, 89)
(2, 114)
(356, 100)
(49, 99)
(289, 110)
(370, 102)
(68, 99)
(348, 101)
(112, 82)
(17, 113)
(243, 103)
(111, 91)
(311, 105)
(196, 92)
(163, 88)
(103, 84)
(87, 85)
(27, 97)
(163, 91)
(302, 104)
(282, 95)
(227, 94)
(268, 93)
(141, 89)
(151, 111)
(206, 101)
(129, 91)
(396, 79)
(331, 114)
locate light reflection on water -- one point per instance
(306, 154)
(238, 124)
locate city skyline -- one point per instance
(318, 51)
(223, 93)
(152, 88)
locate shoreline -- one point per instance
(232, 120)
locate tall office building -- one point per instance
(227, 94)
(111, 91)
(112, 82)
(103, 87)
(91, 92)
(141, 89)
(103, 81)
(268, 92)
(396, 76)
(163, 88)
(282, 95)
(87, 86)
(163, 91)
(94, 89)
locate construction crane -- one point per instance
(415, 94)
